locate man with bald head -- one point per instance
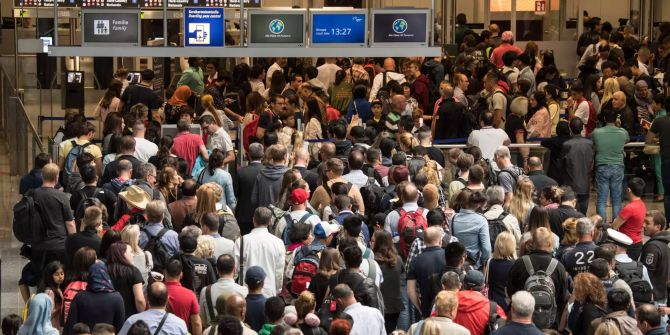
(450, 121)
(409, 195)
(156, 316)
(425, 272)
(537, 176)
(236, 307)
(623, 112)
(383, 78)
(301, 163)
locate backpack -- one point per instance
(28, 226)
(372, 195)
(462, 181)
(277, 214)
(540, 285)
(71, 157)
(289, 225)
(157, 249)
(632, 274)
(410, 224)
(496, 226)
(84, 203)
(306, 264)
(69, 293)
(249, 132)
(515, 175)
(383, 93)
(492, 175)
(494, 318)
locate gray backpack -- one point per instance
(540, 285)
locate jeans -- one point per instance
(609, 180)
(403, 319)
(656, 159)
(583, 202)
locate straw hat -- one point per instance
(135, 197)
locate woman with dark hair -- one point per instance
(77, 277)
(164, 150)
(99, 303)
(277, 84)
(538, 217)
(329, 265)
(392, 267)
(539, 123)
(114, 149)
(290, 176)
(168, 182)
(113, 124)
(257, 78)
(110, 101)
(359, 104)
(215, 173)
(549, 72)
(53, 278)
(177, 102)
(315, 125)
(340, 92)
(552, 92)
(110, 237)
(240, 84)
(127, 279)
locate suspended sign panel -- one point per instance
(400, 27)
(105, 27)
(45, 3)
(329, 28)
(204, 27)
(200, 3)
(276, 28)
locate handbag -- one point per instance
(651, 149)
(485, 289)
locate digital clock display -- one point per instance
(338, 28)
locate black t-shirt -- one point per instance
(106, 197)
(450, 121)
(512, 125)
(578, 259)
(319, 286)
(124, 285)
(56, 210)
(202, 271)
(436, 155)
(135, 94)
(427, 269)
(269, 121)
(661, 127)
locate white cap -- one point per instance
(619, 238)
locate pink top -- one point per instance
(540, 124)
(496, 55)
(187, 146)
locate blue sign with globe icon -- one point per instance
(276, 26)
(400, 26)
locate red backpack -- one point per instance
(410, 225)
(306, 266)
(250, 130)
(69, 293)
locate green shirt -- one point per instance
(609, 142)
(193, 79)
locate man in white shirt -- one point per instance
(225, 268)
(367, 320)
(278, 65)
(488, 139)
(297, 215)
(218, 138)
(157, 298)
(356, 176)
(144, 149)
(210, 226)
(327, 72)
(388, 74)
(261, 248)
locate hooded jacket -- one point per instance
(474, 311)
(422, 93)
(656, 257)
(627, 324)
(434, 69)
(268, 183)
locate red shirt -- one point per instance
(187, 146)
(182, 301)
(496, 55)
(633, 215)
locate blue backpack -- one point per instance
(71, 157)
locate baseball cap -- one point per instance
(299, 196)
(473, 278)
(325, 229)
(254, 275)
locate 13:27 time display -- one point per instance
(340, 31)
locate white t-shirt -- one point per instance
(582, 112)
(488, 140)
(144, 149)
(327, 74)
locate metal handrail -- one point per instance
(33, 130)
(525, 145)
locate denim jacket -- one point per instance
(471, 229)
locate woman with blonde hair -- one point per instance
(570, 237)
(209, 197)
(407, 142)
(522, 202)
(168, 183)
(142, 260)
(590, 303)
(611, 86)
(307, 321)
(220, 117)
(608, 327)
(497, 269)
(205, 247)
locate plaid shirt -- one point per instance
(418, 246)
(358, 73)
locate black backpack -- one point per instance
(372, 195)
(84, 203)
(157, 249)
(496, 226)
(28, 226)
(632, 274)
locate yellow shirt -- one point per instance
(66, 146)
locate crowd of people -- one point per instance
(342, 217)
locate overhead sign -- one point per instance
(45, 3)
(540, 7)
(204, 27)
(392, 27)
(105, 27)
(272, 28)
(198, 3)
(109, 3)
(333, 28)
